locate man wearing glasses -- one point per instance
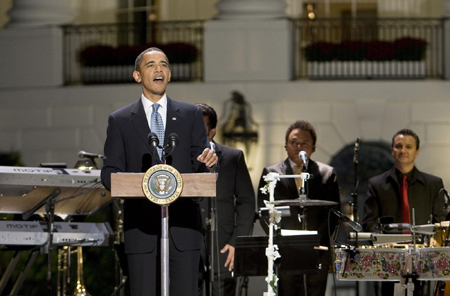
(301, 136)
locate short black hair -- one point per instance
(210, 113)
(407, 132)
(138, 61)
(303, 125)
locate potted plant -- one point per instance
(107, 64)
(402, 57)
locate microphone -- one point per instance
(84, 154)
(173, 140)
(304, 157)
(214, 167)
(353, 224)
(153, 140)
(446, 197)
(356, 150)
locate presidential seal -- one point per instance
(162, 184)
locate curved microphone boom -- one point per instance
(446, 197)
(353, 224)
(84, 154)
(172, 143)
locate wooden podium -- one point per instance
(129, 185)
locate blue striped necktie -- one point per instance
(157, 126)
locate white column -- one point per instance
(254, 9)
(32, 43)
(295, 8)
(250, 40)
(446, 8)
(38, 13)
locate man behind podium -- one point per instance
(301, 136)
(127, 149)
(235, 206)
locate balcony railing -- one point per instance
(95, 54)
(378, 48)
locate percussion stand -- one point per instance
(302, 196)
(302, 218)
(410, 272)
(271, 250)
(275, 216)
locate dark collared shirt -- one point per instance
(384, 199)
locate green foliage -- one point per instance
(12, 158)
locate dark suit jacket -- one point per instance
(322, 186)
(383, 199)
(235, 202)
(235, 196)
(127, 150)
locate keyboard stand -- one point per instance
(23, 274)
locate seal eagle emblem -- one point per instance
(162, 184)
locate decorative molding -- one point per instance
(32, 13)
(251, 9)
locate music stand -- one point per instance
(250, 258)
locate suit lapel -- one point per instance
(287, 170)
(173, 117)
(140, 123)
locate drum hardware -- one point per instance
(427, 229)
(442, 240)
(361, 235)
(303, 202)
(381, 239)
(275, 217)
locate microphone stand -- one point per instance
(213, 239)
(165, 225)
(354, 195)
(50, 209)
(164, 241)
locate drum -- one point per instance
(434, 264)
(442, 234)
(370, 264)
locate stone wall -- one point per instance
(53, 124)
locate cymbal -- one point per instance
(303, 202)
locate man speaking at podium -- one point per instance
(127, 149)
(301, 136)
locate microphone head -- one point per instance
(173, 140)
(81, 154)
(303, 156)
(153, 139)
(213, 146)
